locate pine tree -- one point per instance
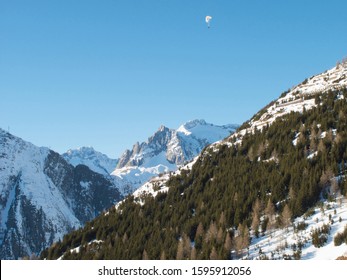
(163, 256)
(286, 216)
(270, 213)
(228, 243)
(125, 238)
(326, 177)
(313, 139)
(180, 251)
(212, 232)
(145, 255)
(242, 238)
(186, 246)
(256, 217)
(220, 235)
(222, 219)
(199, 231)
(193, 254)
(321, 147)
(214, 254)
(334, 187)
(245, 240)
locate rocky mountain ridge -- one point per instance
(164, 151)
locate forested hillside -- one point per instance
(235, 191)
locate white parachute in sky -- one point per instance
(208, 19)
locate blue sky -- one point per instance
(108, 73)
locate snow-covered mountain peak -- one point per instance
(167, 149)
(96, 161)
(187, 127)
(159, 138)
(85, 150)
(162, 128)
(179, 145)
(191, 124)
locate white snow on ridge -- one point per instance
(298, 98)
(335, 78)
(202, 130)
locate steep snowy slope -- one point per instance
(300, 97)
(42, 197)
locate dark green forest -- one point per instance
(213, 210)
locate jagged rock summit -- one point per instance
(166, 150)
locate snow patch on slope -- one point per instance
(282, 241)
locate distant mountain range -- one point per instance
(165, 151)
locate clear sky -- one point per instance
(108, 73)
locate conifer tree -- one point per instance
(145, 255)
(313, 139)
(286, 216)
(222, 219)
(228, 243)
(270, 213)
(125, 238)
(334, 187)
(212, 232)
(186, 246)
(321, 147)
(163, 256)
(220, 235)
(193, 254)
(242, 238)
(326, 177)
(256, 217)
(214, 254)
(199, 231)
(180, 251)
